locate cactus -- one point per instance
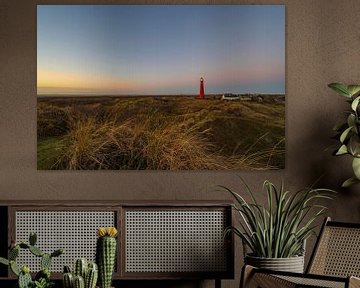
(42, 278)
(14, 268)
(24, 245)
(32, 238)
(91, 276)
(106, 254)
(57, 252)
(13, 253)
(44, 273)
(36, 251)
(24, 280)
(80, 268)
(68, 280)
(67, 269)
(45, 261)
(90, 272)
(79, 282)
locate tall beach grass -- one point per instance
(140, 135)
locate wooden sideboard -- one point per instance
(157, 240)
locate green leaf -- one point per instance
(356, 167)
(279, 228)
(355, 103)
(342, 150)
(340, 88)
(4, 261)
(345, 134)
(349, 182)
(354, 146)
(353, 89)
(14, 268)
(340, 127)
(351, 120)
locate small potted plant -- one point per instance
(42, 278)
(106, 254)
(349, 132)
(276, 233)
(84, 274)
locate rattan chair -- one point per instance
(334, 263)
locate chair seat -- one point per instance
(335, 262)
(315, 282)
(267, 279)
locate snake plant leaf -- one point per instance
(279, 228)
(340, 88)
(349, 182)
(356, 167)
(355, 103)
(342, 150)
(345, 134)
(353, 89)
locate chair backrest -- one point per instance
(337, 251)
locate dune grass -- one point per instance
(166, 133)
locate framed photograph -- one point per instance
(160, 87)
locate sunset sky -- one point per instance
(154, 49)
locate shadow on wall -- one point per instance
(329, 171)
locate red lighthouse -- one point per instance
(201, 93)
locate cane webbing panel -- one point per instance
(267, 280)
(338, 252)
(74, 231)
(175, 241)
(313, 282)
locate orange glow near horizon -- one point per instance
(57, 80)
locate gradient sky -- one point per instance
(155, 49)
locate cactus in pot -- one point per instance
(25, 279)
(68, 278)
(81, 266)
(42, 278)
(79, 282)
(85, 275)
(106, 254)
(91, 276)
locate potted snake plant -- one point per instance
(274, 234)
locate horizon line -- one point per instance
(151, 95)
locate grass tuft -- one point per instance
(157, 134)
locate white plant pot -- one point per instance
(291, 264)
